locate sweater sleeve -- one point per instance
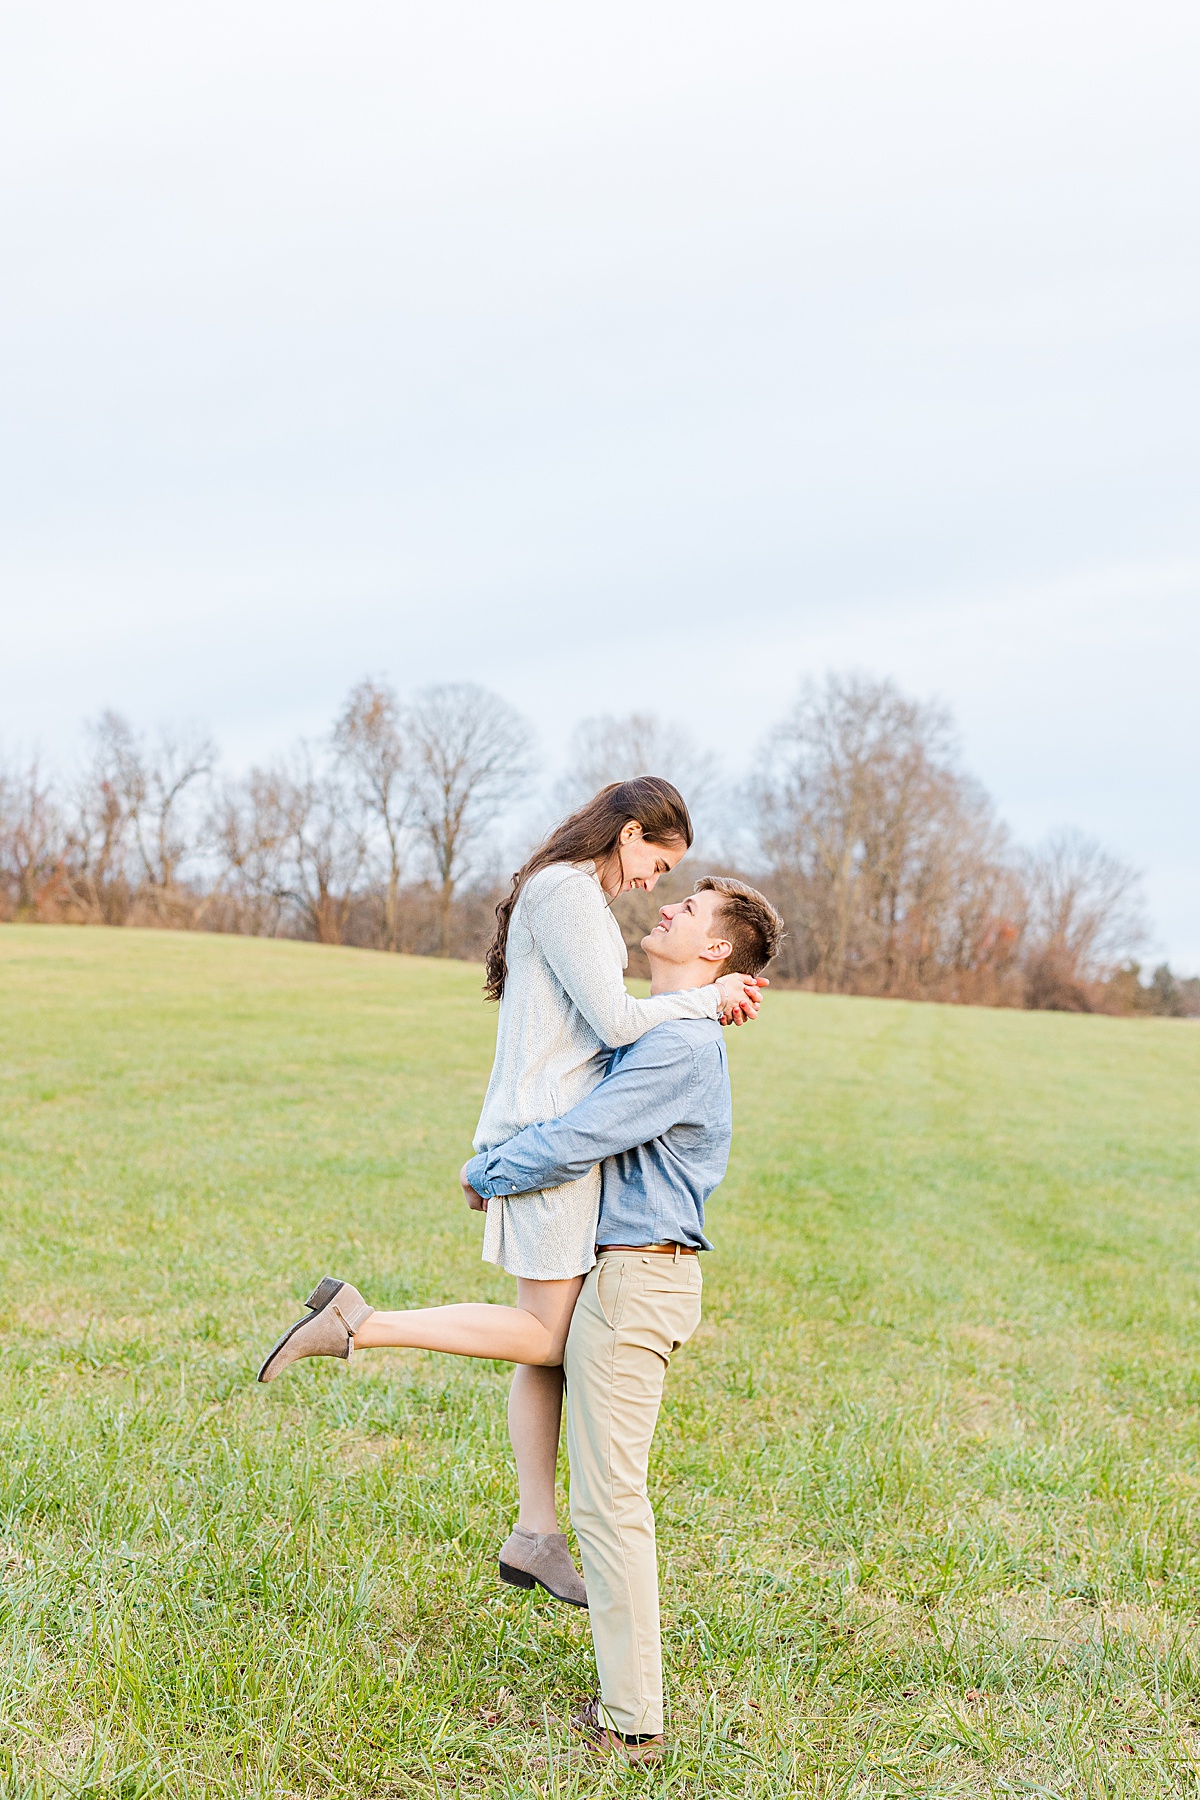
(569, 929)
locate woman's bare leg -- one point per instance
(535, 1419)
(533, 1331)
(532, 1334)
(534, 1425)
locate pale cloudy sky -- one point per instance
(651, 355)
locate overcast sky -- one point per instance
(651, 355)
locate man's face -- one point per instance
(687, 930)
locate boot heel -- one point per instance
(516, 1577)
(323, 1293)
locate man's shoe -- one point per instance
(542, 1557)
(335, 1313)
(635, 1747)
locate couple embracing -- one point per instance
(605, 1128)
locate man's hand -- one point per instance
(475, 1201)
(741, 997)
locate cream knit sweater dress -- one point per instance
(564, 1006)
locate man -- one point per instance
(660, 1125)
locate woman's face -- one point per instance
(643, 862)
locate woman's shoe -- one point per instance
(542, 1557)
(336, 1311)
(635, 1747)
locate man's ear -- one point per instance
(719, 950)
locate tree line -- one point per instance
(886, 858)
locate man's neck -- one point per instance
(675, 978)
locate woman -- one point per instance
(556, 967)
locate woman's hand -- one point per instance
(475, 1201)
(741, 997)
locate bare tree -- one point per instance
(327, 847)
(250, 829)
(1085, 917)
(890, 857)
(472, 757)
(369, 738)
(150, 784)
(956, 918)
(98, 830)
(1167, 996)
(836, 791)
(618, 748)
(32, 846)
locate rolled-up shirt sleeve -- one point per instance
(640, 1099)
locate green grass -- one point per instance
(927, 1478)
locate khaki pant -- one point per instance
(634, 1309)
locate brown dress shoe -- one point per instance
(336, 1310)
(635, 1747)
(542, 1557)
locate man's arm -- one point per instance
(640, 1099)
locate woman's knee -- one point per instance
(552, 1336)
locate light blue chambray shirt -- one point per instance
(659, 1124)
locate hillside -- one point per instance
(927, 1481)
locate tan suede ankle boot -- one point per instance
(336, 1311)
(542, 1557)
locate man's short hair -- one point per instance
(748, 920)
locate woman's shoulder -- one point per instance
(562, 880)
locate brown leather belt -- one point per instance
(649, 1249)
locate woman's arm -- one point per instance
(569, 929)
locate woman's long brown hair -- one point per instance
(591, 835)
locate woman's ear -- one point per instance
(630, 831)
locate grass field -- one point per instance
(927, 1479)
